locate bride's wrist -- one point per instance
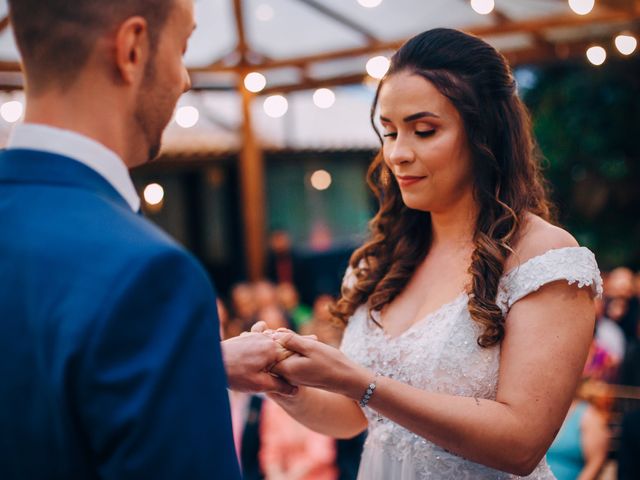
(357, 383)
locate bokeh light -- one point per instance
(321, 180)
(581, 7)
(324, 98)
(377, 66)
(275, 106)
(596, 55)
(626, 44)
(153, 194)
(187, 117)
(255, 82)
(483, 7)
(12, 111)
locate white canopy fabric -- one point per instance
(278, 31)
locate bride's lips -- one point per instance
(407, 180)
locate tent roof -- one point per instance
(303, 44)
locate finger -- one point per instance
(296, 343)
(259, 327)
(274, 384)
(312, 337)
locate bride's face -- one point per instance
(425, 145)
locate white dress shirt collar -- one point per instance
(105, 162)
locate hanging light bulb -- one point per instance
(377, 66)
(483, 7)
(187, 117)
(255, 82)
(626, 43)
(264, 12)
(324, 98)
(596, 55)
(12, 111)
(369, 3)
(153, 194)
(581, 7)
(321, 180)
(275, 106)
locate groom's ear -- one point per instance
(132, 50)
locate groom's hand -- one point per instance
(247, 359)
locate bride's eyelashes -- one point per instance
(419, 133)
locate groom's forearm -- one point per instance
(324, 412)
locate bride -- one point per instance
(468, 314)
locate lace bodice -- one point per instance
(440, 354)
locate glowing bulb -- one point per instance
(626, 44)
(12, 111)
(275, 106)
(255, 82)
(320, 179)
(264, 12)
(377, 67)
(369, 3)
(187, 117)
(581, 7)
(324, 98)
(596, 55)
(483, 7)
(153, 194)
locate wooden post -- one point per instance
(252, 187)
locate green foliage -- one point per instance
(587, 124)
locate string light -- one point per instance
(596, 55)
(626, 44)
(187, 117)
(321, 179)
(264, 12)
(369, 3)
(255, 82)
(377, 66)
(153, 194)
(324, 98)
(12, 111)
(275, 106)
(483, 7)
(581, 7)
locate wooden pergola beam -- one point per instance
(310, 84)
(535, 26)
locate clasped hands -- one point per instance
(280, 361)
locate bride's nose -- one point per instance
(400, 151)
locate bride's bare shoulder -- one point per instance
(537, 237)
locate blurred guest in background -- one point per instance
(289, 299)
(582, 444)
(243, 305)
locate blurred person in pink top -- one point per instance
(290, 451)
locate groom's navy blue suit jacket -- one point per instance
(110, 362)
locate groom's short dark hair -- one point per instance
(56, 37)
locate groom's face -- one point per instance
(166, 77)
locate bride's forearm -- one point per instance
(324, 412)
(480, 430)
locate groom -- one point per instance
(110, 358)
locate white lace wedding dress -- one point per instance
(440, 354)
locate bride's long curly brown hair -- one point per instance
(507, 180)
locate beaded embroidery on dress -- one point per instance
(440, 354)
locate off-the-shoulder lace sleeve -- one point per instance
(576, 265)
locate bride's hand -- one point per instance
(282, 352)
(319, 365)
